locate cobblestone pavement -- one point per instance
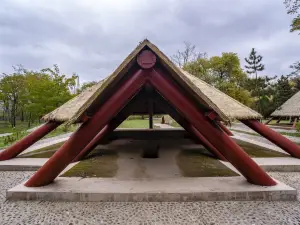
(39, 212)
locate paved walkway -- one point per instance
(22, 164)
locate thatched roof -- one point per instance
(227, 107)
(290, 108)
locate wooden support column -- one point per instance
(197, 136)
(278, 121)
(88, 130)
(224, 128)
(149, 91)
(228, 148)
(274, 137)
(104, 132)
(29, 140)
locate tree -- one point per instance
(283, 91)
(255, 65)
(12, 89)
(293, 7)
(187, 55)
(223, 72)
(86, 85)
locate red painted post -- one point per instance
(87, 149)
(274, 137)
(189, 128)
(27, 141)
(206, 143)
(71, 148)
(224, 128)
(228, 148)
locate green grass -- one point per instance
(273, 122)
(291, 134)
(62, 130)
(98, 164)
(194, 164)
(258, 151)
(45, 152)
(135, 123)
(5, 126)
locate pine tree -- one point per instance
(254, 66)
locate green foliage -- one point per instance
(32, 94)
(223, 72)
(293, 7)
(86, 85)
(253, 66)
(8, 140)
(254, 62)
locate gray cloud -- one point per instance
(92, 38)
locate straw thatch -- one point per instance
(227, 107)
(290, 108)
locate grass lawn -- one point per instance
(273, 122)
(100, 163)
(194, 164)
(257, 151)
(45, 152)
(135, 123)
(5, 126)
(62, 130)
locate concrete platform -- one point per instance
(139, 190)
(22, 164)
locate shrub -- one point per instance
(15, 136)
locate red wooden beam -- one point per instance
(87, 131)
(90, 146)
(224, 128)
(228, 148)
(199, 138)
(104, 132)
(27, 141)
(206, 143)
(274, 137)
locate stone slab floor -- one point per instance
(38, 212)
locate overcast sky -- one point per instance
(92, 38)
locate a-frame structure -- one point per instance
(289, 109)
(148, 74)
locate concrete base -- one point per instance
(137, 190)
(22, 164)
